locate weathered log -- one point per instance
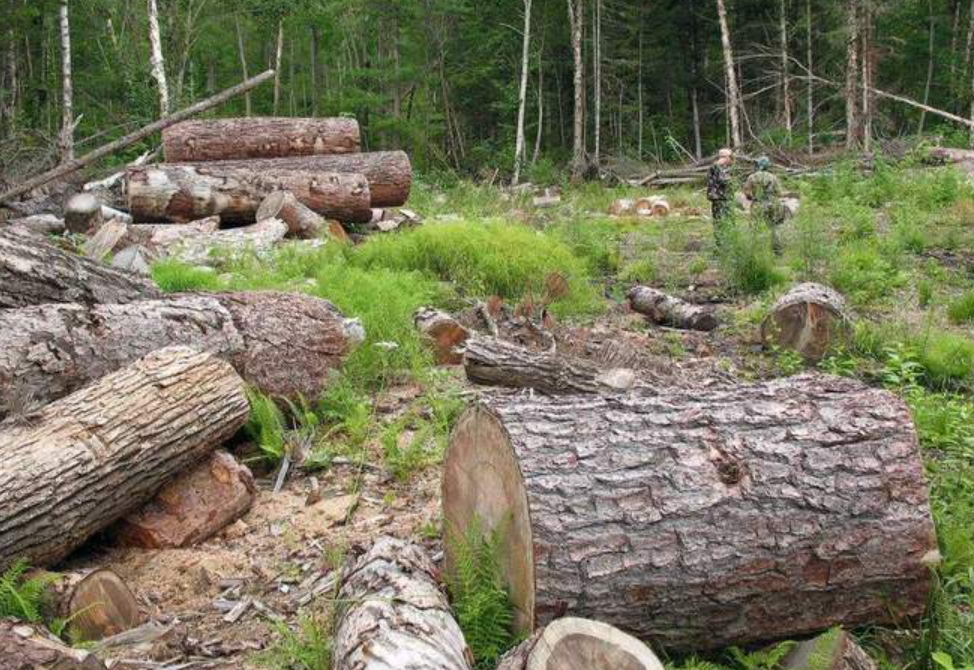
(192, 508)
(133, 259)
(162, 235)
(833, 650)
(810, 319)
(234, 190)
(100, 244)
(82, 212)
(696, 519)
(580, 644)
(397, 617)
(302, 222)
(444, 333)
(110, 214)
(259, 137)
(666, 310)
(29, 647)
(79, 464)
(45, 224)
(95, 603)
(493, 362)
(199, 248)
(33, 272)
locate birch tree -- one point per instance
(733, 92)
(157, 61)
(67, 92)
(519, 148)
(852, 73)
(576, 15)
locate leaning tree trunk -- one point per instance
(79, 464)
(33, 272)
(28, 646)
(96, 603)
(578, 643)
(264, 137)
(666, 310)
(302, 222)
(397, 617)
(697, 518)
(234, 190)
(810, 319)
(157, 62)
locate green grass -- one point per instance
(962, 310)
(175, 276)
(306, 648)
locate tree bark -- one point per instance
(565, 642)
(278, 51)
(730, 74)
(263, 137)
(852, 74)
(522, 100)
(242, 53)
(576, 15)
(444, 334)
(302, 222)
(810, 319)
(26, 647)
(597, 81)
(785, 82)
(157, 62)
(96, 603)
(234, 190)
(67, 94)
(82, 462)
(397, 617)
(216, 249)
(697, 518)
(44, 224)
(33, 272)
(811, 81)
(666, 310)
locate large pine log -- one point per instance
(809, 319)
(396, 617)
(667, 310)
(29, 647)
(580, 644)
(79, 464)
(33, 272)
(259, 137)
(699, 518)
(234, 190)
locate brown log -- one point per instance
(444, 334)
(580, 644)
(82, 212)
(493, 362)
(259, 137)
(696, 519)
(45, 224)
(33, 272)
(833, 650)
(666, 310)
(183, 192)
(192, 508)
(810, 319)
(396, 617)
(79, 464)
(302, 222)
(96, 603)
(29, 647)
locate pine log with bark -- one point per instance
(580, 644)
(397, 617)
(809, 319)
(29, 647)
(97, 603)
(33, 272)
(45, 224)
(302, 222)
(667, 310)
(79, 464)
(261, 137)
(696, 519)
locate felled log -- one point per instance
(302, 222)
(82, 212)
(80, 463)
(100, 244)
(201, 248)
(33, 272)
(234, 190)
(494, 362)
(96, 603)
(580, 643)
(193, 507)
(696, 519)
(667, 310)
(810, 319)
(29, 647)
(259, 137)
(396, 617)
(45, 224)
(443, 332)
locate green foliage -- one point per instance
(747, 260)
(762, 659)
(962, 310)
(307, 648)
(267, 426)
(176, 277)
(947, 358)
(23, 597)
(864, 274)
(595, 241)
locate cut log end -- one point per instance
(98, 604)
(581, 643)
(810, 320)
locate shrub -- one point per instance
(175, 277)
(747, 261)
(962, 310)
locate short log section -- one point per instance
(302, 222)
(580, 644)
(96, 603)
(444, 334)
(29, 647)
(666, 310)
(810, 319)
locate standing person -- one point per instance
(720, 193)
(763, 191)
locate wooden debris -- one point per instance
(82, 212)
(234, 615)
(111, 214)
(444, 334)
(45, 224)
(810, 319)
(833, 650)
(666, 310)
(302, 222)
(134, 259)
(29, 647)
(99, 245)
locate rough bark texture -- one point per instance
(215, 249)
(580, 644)
(833, 650)
(265, 137)
(82, 212)
(302, 222)
(397, 617)
(98, 603)
(698, 519)
(158, 236)
(33, 272)
(444, 334)
(234, 190)
(79, 464)
(46, 224)
(666, 310)
(27, 647)
(809, 320)
(193, 507)
(493, 362)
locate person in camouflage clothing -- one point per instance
(763, 191)
(720, 193)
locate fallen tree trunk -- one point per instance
(161, 235)
(33, 272)
(809, 319)
(29, 647)
(81, 463)
(259, 137)
(580, 643)
(696, 519)
(96, 603)
(397, 617)
(217, 248)
(302, 222)
(444, 334)
(45, 224)
(666, 310)
(493, 362)
(234, 190)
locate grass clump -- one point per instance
(747, 260)
(864, 274)
(962, 310)
(175, 277)
(307, 648)
(947, 359)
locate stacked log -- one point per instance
(302, 222)
(268, 137)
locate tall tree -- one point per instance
(278, 53)
(597, 79)
(67, 89)
(576, 15)
(519, 147)
(931, 59)
(852, 74)
(785, 83)
(242, 54)
(810, 84)
(157, 61)
(730, 75)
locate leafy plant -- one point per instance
(267, 426)
(22, 597)
(762, 659)
(747, 261)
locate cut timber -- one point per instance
(396, 617)
(698, 518)
(194, 507)
(301, 221)
(33, 272)
(102, 242)
(158, 236)
(234, 190)
(444, 334)
(29, 647)
(259, 137)
(580, 644)
(80, 463)
(97, 603)
(810, 319)
(197, 248)
(493, 362)
(45, 224)
(666, 310)
(82, 212)
(832, 650)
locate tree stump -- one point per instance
(82, 212)
(810, 319)
(397, 617)
(580, 644)
(444, 334)
(302, 222)
(96, 603)
(666, 310)
(696, 519)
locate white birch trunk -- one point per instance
(158, 62)
(277, 64)
(67, 93)
(519, 147)
(576, 15)
(733, 93)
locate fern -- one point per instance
(22, 597)
(762, 659)
(267, 425)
